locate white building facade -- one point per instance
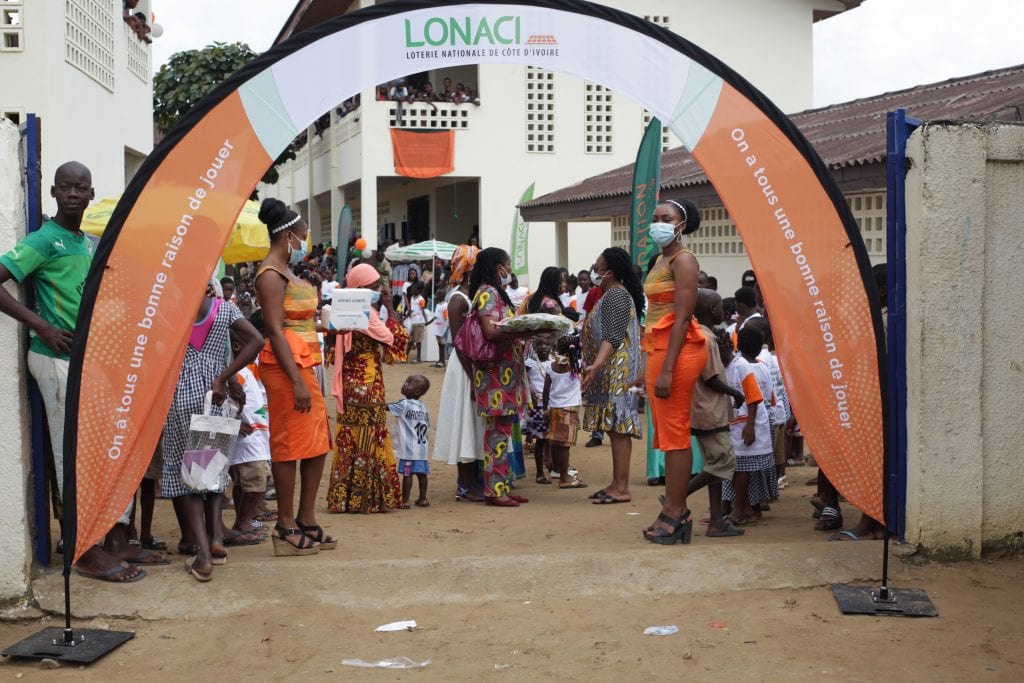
(82, 70)
(532, 126)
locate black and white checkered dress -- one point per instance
(763, 483)
(198, 371)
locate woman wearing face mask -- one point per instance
(364, 476)
(499, 387)
(297, 409)
(676, 354)
(611, 359)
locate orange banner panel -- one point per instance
(154, 280)
(423, 154)
(813, 288)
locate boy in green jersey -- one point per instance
(58, 256)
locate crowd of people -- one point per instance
(704, 370)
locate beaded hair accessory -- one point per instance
(679, 206)
(285, 226)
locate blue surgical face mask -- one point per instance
(662, 233)
(374, 298)
(296, 254)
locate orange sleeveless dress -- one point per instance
(295, 435)
(670, 416)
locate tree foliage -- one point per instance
(189, 76)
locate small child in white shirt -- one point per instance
(250, 460)
(439, 328)
(562, 401)
(410, 438)
(535, 426)
(417, 319)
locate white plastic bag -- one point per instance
(211, 438)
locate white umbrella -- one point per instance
(421, 251)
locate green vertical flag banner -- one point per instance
(521, 240)
(644, 198)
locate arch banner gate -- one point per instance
(162, 242)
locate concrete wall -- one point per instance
(14, 472)
(965, 269)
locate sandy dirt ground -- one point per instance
(277, 620)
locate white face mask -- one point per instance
(662, 233)
(506, 279)
(595, 277)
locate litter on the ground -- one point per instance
(393, 663)
(397, 626)
(661, 630)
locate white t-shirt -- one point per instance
(754, 380)
(412, 427)
(256, 446)
(565, 389)
(536, 370)
(416, 304)
(780, 411)
(517, 296)
(565, 298)
(440, 325)
(581, 298)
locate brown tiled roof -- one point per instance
(847, 134)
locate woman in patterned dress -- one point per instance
(499, 387)
(299, 430)
(364, 476)
(611, 358)
(205, 368)
(676, 353)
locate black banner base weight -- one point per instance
(87, 645)
(898, 602)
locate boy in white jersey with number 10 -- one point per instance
(411, 438)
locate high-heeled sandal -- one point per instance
(681, 531)
(318, 535)
(283, 547)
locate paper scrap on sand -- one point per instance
(397, 626)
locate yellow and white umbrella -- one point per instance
(249, 241)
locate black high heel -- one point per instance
(318, 535)
(284, 547)
(681, 531)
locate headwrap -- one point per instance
(463, 260)
(218, 291)
(359, 276)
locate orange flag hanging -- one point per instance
(423, 154)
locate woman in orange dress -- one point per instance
(676, 354)
(364, 475)
(299, 430)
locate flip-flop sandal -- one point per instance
(831, 520)
(845, 532)
(266, 517)
(154, 544)
(188, 550)
(109, 574)
(251, 538)
(422, 503)
(403, 506)
(576, 484)
(147, 558)
(218, 560)
(597, 494)
(723, 533)
(199, 576)
(543, 480)
(607, 499)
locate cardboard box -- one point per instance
(350, 309)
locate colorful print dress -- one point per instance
(364, 475)
(608, 405)
(500, 392)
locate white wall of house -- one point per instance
(965, 261)
(769, 43)
(14, 468)
(86, 75)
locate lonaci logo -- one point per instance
(463, 31)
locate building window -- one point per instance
(540, 110)
(660, 20)
(138, 54)
(869, 212)
(11, 31)
(428, 115)
(620, 232)
(597, 119)
(89, 39)
(668, 138)
(717, 235)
